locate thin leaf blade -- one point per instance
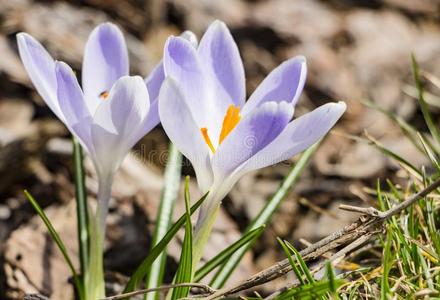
(57, 239)
(145, 265)
(164, 217)
(184, 272)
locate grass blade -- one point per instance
(331, 277)
(430, 152)
(82, 213)
(402, 161)
(423, 105)
(164, 217)
(387, 262)
(311, 291)
(57, 240)
(144, 268)
(184, 272)
(264, 216)
(408, 130)
(301, 262)
(292, 263)
(220, 258)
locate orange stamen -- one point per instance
(103, 95)
(204, 131)
(231, 120)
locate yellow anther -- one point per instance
(104, 95)
(231, 119)
(204, 131)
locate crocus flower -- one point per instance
(203, 111)
(108, 115)
(111, 112)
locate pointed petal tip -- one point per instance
(108, 26)
(171, 40)
(61, 68)
(21, 36)
(218, 24)
(286, 106)
(127, 79)
(342, 105)
(24, 38)
(131, 82)
(301, 58)
(190, 36)
(177, 49)
(59, 64)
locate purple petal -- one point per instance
(221, 57)
(118, 123)
(297, 136)
(284, 83)
(41, 69)
(190, 37)
(204, 99)
(182, 65)
(252, 134)
(180, 126)
(105, 61)
(71, 102)
(154, 82)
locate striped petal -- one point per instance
(284, 83)
(182, 129)
(105, 61)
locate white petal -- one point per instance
(180, 126)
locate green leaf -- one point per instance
(430, 152)
(301, 262)
(223, 256)
(164, 218)
(423, 105)
(264, 216)
(81, 208)
(310, 291)
(386, 262)
(144, 268)
(292, 263)
(331, 277)
(58, 242)
(184, 272)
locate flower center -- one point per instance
(231, 119)
(104, 95)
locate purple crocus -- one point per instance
(111, 112)
(203, 111)
(108, 115)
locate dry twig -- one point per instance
(201, 286)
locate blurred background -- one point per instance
(356, 51)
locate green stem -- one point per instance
(94, 283)
(207, 216)
(81, 208)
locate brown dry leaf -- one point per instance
(33, 261)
